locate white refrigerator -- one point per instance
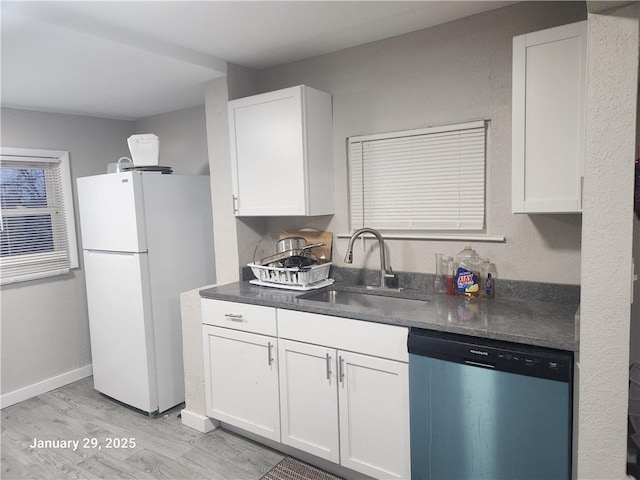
(146, 237)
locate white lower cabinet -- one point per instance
(333, 387)
(336, 400)
(241, 378)
(374, 415)
(345, 407)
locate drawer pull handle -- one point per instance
(269, 357)
(341, 370)
(234, 317)
(328, 367)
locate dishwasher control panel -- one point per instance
(493, 354)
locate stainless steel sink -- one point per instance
(366, 300)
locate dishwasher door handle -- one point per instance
(479, 364)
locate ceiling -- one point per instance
(133, 59)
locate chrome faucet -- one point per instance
(386, 273)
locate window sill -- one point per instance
(439, 237)
(33, 276)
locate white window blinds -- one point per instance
(428, 179)
(34, 228)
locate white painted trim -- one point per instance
(426, 236)
(45, 386)
(61, 157)
(198, 422)
(419, 131)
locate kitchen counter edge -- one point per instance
(528, 322)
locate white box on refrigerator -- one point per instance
(144, 149)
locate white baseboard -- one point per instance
(44, 386)
(198, 422)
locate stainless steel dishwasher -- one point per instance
(488, 410)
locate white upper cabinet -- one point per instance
(281, 153)
(549, 73)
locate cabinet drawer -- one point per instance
(239, 316)
(377, 339)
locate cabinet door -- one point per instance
(309, 398)
(241, 379)
(112, 216)
(267, 155)
(374, 415)
(549, 71)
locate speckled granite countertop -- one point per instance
(528, 322)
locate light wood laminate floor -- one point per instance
(164, 448)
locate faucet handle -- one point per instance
(391, 279)
(348, 258)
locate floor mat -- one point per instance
(291, 469)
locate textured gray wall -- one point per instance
(612, 87)
(450, 73)
(183, 139)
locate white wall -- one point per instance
(235, 238)
(45, 329)
(450, 73)
(612, 87)
(183, 139)
(224, 224)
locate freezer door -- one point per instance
(111, 212)
(121, 329)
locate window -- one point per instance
(419, 180)
(37, 228)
